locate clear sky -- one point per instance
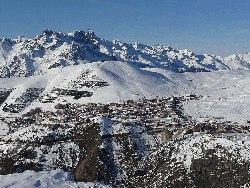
(220, 27)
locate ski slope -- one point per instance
(225, 93)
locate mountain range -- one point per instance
(22, 57)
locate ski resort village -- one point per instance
(80, 111)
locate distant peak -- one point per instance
(6, 41)
(82, 35)
(77, 34)
(47, 32)
(90, 31)
(21, 38)
(3, 39)
(90, 34)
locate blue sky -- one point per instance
(220, 27)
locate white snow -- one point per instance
(226, 95)
(193, 148)
(45, 179)
(4, 129)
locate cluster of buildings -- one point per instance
(159, 113)
(146, 112)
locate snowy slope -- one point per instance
(55, 178)
(124, 81)
(225, 94)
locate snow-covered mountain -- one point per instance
(77, 107)
(22, 57)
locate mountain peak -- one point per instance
(6, 41)
(81, 36)
(89, 31)
(48, 32)
(21, 38)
